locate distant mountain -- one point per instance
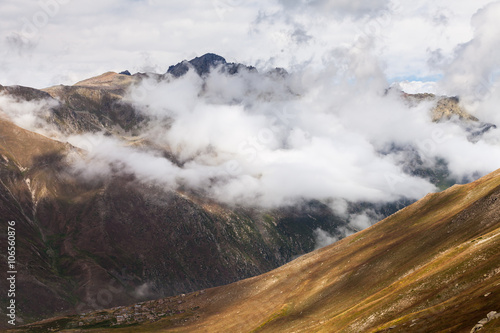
(431, 267)
(204, 64)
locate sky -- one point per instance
(50, 42)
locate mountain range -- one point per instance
(86, 244)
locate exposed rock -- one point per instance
(25, 93)
(447, 107)
(476, 328)
(477, 129)
(204, 64)
(492, 315)
(277, 73)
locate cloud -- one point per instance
(300, 35)
(257, 139)
(144, 291)
(340, 8)
(19, 45)
(260, 143)
(327, 131)
(364, 219)
(475, 66)
(323, 238)
(30, 115)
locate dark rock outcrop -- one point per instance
(204, 64)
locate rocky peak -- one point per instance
(202, 65)
(446, 107)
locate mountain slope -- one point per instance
(80, 238)
(432, 267)
(77, 233)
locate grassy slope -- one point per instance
(426, 268)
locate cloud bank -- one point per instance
(266, 140)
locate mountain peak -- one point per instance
(202, 65)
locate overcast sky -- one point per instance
(48, 42)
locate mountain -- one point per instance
(204, 64)
(87, 243)
(431, 267)
(77, 237)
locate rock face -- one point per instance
(202, 65)
(445, 109)
(87, 108)
(448, 107)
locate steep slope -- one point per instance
(79, 240)
(432, 267)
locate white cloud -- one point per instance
(28, 114)
(323, 238)
(257, 140)
(475, 66)
(339, 8)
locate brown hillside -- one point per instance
(432, 267)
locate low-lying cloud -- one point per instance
(29, 115)
(267, 140)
